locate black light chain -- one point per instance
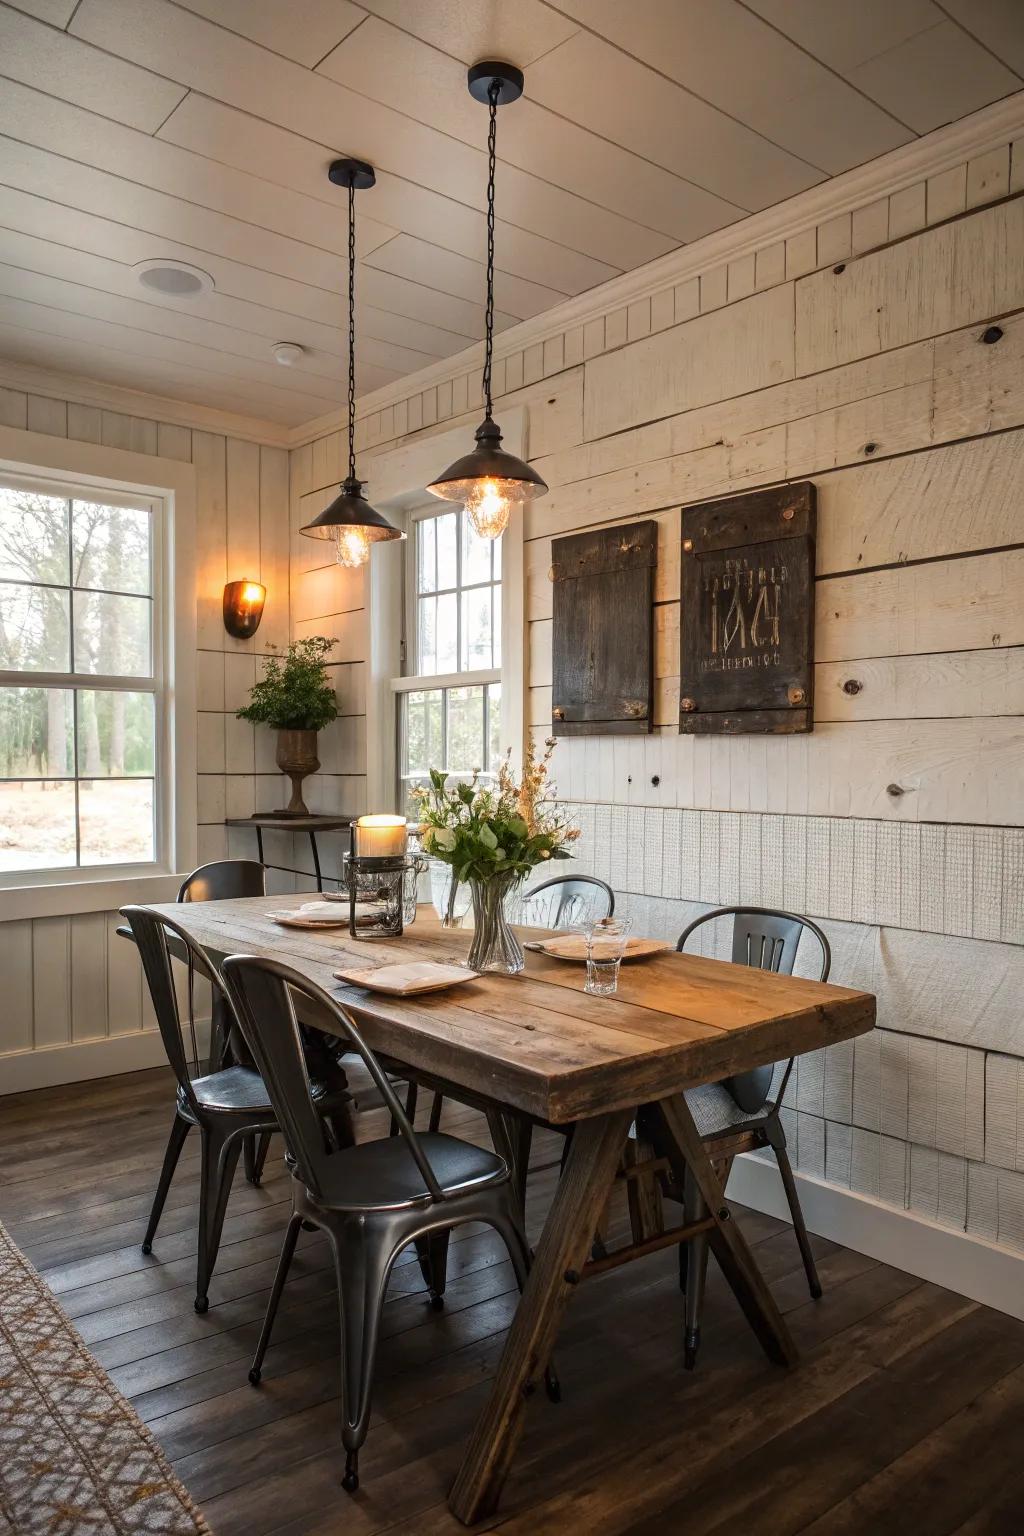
(493, 94)
(352, 329)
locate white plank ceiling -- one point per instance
(202, 129)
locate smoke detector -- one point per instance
(175, 279)
(288, 353)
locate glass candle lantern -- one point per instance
(376, 890)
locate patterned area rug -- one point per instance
(75, 1460)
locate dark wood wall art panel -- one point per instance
(603, 641)
(747, 621)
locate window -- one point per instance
(80, 669)
(450, 701)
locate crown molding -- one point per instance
(990, 128)
(55, 385)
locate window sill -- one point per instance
(104, 893)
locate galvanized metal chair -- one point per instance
(552, 904)
(564, 898)
(372, 1200)
(741, 1114)
(227, 1103)
(225, 880)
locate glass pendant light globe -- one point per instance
(488, 482)
(352, 525)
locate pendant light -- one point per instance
(350, 521)
(489, 481)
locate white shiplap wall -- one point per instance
(68, 980)
(849, 351)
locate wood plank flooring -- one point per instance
(904, 1414)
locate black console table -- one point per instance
(310, 824)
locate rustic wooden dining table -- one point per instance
(537, 1047)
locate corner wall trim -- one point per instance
(956, 1260)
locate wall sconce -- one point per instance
(243, 608)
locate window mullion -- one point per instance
(74, 769)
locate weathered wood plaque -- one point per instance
(602, 642)
(747, 621)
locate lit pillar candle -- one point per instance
(380, 837)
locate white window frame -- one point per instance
(414, 681)
(59, 467)
(77, 682)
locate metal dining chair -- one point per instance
(225, 880)
(554, 902)
(741, 1113)
(564, 898)
(372, 1200)
(226, 1103)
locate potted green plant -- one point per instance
(295, 697)
(492, 837)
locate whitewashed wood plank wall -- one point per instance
(68, 979)
(853, 353)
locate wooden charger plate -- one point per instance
(573, 947)
(407, 980)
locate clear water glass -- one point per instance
(606, 944)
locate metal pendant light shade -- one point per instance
(350, 522)
(488, 481)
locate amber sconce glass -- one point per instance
(243, 608)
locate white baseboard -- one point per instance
(47, 1067)
(957, 1260)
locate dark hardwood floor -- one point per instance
(904, 1416)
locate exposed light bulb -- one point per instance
(489, 504)
(353, 546)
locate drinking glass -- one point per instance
(606, 943)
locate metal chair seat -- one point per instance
(234, 1090)
(241, 1090)
(379, 1175)
(715, 1111)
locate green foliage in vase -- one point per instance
(505, 830)
(295, 693)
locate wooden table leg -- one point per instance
(561, 1253)
(685, 1150)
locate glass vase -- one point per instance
(495, 946)
(450, 897)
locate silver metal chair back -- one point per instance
(768, 940)
(563, 898)
(224, 880)
(228, 1104)
(262, 991)
(151, 933)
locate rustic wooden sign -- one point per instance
(747, 620)
(602, 643)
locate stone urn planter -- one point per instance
(296, 698)
(296, 756)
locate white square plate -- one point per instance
(321, 914)
(409, 978)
